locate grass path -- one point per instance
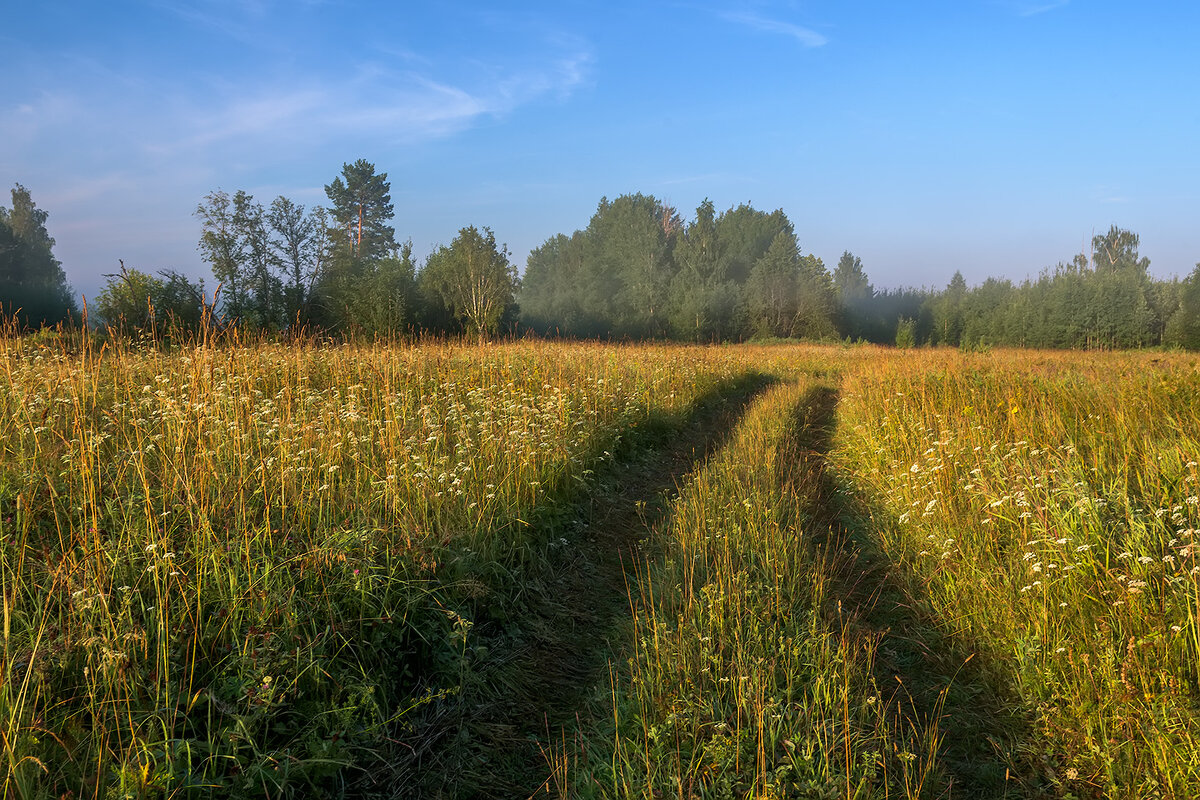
(516, 727)
(590, 571)
(279, 571)
(945, 703)
(940, 688)
(778, 651)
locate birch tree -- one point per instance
(474, 279)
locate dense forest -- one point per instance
(638, 270)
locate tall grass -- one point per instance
(266, 570)
(1049, 505)
(248, 569)
(943, 574)
(745, 677)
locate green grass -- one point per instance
(736, 684)
(594, 571)
(1049, 505)
(764, 629)
(247, 569)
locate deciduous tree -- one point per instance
(222, 246)
(33, 286)
(474, 279)
(133, 301)
(299, 247)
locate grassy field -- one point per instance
(543, 569)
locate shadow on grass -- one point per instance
(936, 685)
(538, 651)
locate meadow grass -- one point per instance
(245, 569)
(934, 574)
(256, 569)
(735, 685)
(1047, 503)
(753, 664)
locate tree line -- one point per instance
(1105, 299)
(638, 270)
(337, 269)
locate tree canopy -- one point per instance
(361, 206)
(33, 286)
(474, 280)
(638, 270)
(133, 301)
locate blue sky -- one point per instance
(990, 136)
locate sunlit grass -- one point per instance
(746, 676)
(242, 567)
(734, 686)
(263, 569)
(1049, 505)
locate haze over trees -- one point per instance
(263, 259)
(33, 286)
(1105, 299)
(637, 270)
(136, 302)
(338, 269)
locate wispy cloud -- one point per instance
(223, 18)
(244, 21)
(1026, 9)
(154, 123)
(392, 93)
(376, 103)
(258, 113)
(121, 153)
(805, 36)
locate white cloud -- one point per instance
(1025, 8)
(121, 155)
(805, 36)
(164, 120)
(1030, 11)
